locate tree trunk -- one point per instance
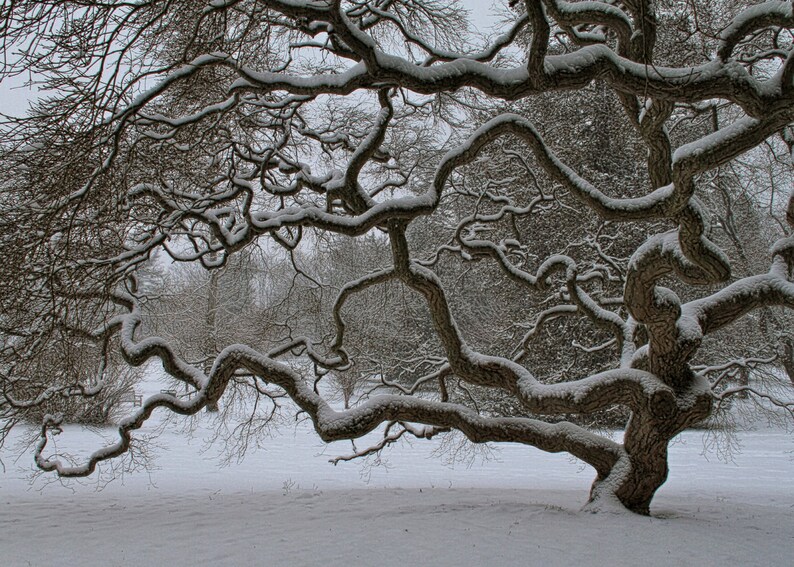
(635, 478)
(647, 449)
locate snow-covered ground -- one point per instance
(286, 505)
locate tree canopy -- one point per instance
(497, 234)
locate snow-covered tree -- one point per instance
(538, 174)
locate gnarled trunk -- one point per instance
(635, 478)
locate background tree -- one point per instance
(487, 179)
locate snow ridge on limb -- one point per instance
(376, 68)
(583, 302)
(634, 388)
(742, 296)
(629, 386)
(664, 201)
(765, 14)
(685, 251)
(569, 15)
(574, 70)
(688, 161)
(331, 425)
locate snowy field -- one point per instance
(286, 505)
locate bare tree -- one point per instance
(202, 129)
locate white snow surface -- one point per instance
(287, 505)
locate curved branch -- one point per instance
(634, 388)
(345, 293)
(731, 303)
(770, 13)
(330, 424)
